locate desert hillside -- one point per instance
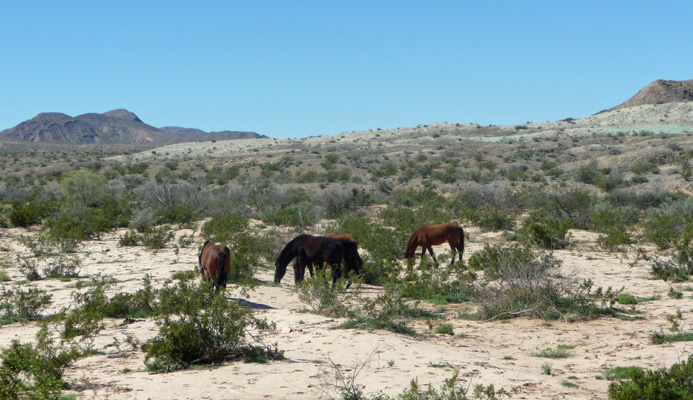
(575, 274)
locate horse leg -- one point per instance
(430, 250)
(298, 271)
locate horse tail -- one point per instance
(221, 271)
(460, 242)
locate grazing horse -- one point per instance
(359, 261)
(215, 262)
(309, 250)
(432, 235)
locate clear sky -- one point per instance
(306, 68)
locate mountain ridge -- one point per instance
(113, 128)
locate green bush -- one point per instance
(494, 259)
(31, 212)
(545, 230)
(196, 327)
(665, 224)
(444, 329)
(517, 284)
(21, 305)
(31, 371)
(589, 174)
(672, 383)
(322, 297)
(494, 220)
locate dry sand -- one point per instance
(498, 353)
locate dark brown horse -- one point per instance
(359, 261)
(433, 235)
(318, 250)
(215, 262)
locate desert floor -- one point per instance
(496, 352)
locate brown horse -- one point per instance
(215, 262)
(318, 250)
(432, 235)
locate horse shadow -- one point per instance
(254, 306)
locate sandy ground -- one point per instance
(498, 352)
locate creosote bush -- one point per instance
(319, 294)
(197, 326)
(671, 383)
(545, 229)
(35, 371)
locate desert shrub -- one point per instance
(589, 174)
(387, 312)
(84, 187)
(29, 212)
(35, 371)
(606, 217)
(575, 205)
(132, 305)
(447, 285)
(20, 305)
(156, 238)
(520, 284)
(223, 227)
(672, 383)
(444, 329)
(29, 267)
(153, 238)
(299, 215)
(337, 201)
(220, 176)
(561, 351)
(545, 229)
(63, 267)
(494, 220)
(493, 259)
(644, 167)
(142, 218)
(407, 219)
(83, 318)
(196, 327)
(620, 373)
(452, 389)
(130, 238)
(677, 266)
(319, 294)
(173, 203)
(78, 222)
(486, 197)
(665, 225)
(642, 201)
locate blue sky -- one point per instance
(307, 68)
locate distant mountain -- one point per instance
(113, 128)
(221, 135)
(659, 92)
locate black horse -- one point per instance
(316, 250)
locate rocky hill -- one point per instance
(111, 129)
(660, 92)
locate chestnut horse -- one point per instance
(432, 235)
(215, 262)
(318, 250)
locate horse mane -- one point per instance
(289, 251)
(199, 258)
